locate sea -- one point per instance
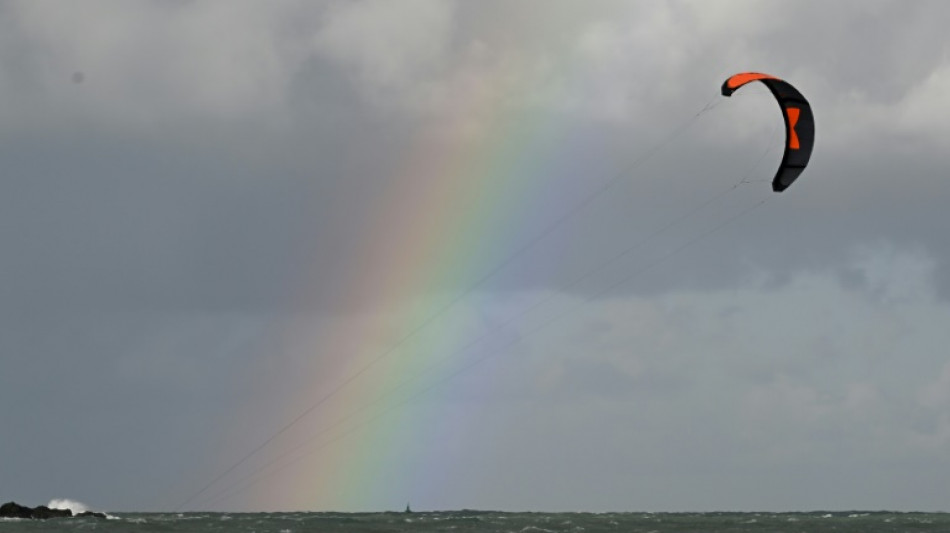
(468, 521)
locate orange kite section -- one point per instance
(741, 79)
(793, 113)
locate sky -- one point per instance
(345, 255)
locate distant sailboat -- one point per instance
(408, 510)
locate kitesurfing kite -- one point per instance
(799, 124)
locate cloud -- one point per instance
(384, 44)
(937, 393)
(143, 61)
(923, 110)
(894, 275)
(148, 61)
(811, 366)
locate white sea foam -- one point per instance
(535, 528)
(63, 503)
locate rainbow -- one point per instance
(436, 229)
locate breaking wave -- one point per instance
(72, 505)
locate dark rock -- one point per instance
(43, 512)
(15, 510)
(91, 514)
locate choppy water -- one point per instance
(484, 521)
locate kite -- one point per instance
(799, 124)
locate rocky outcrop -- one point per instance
(15, 510)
